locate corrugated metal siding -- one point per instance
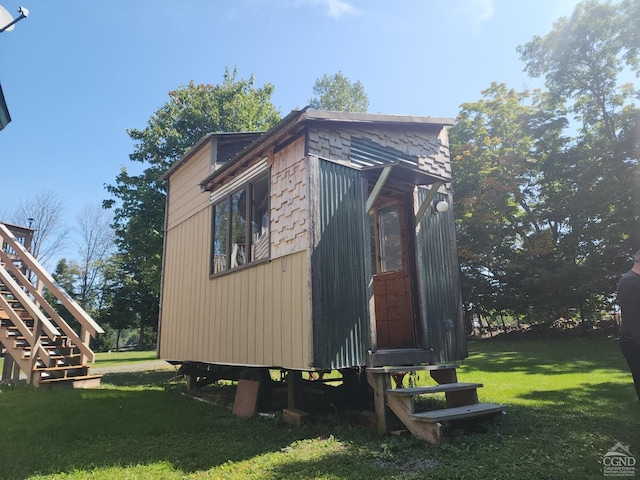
(366, 153)
(340, 314)
(439, 284)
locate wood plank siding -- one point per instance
(257, 315)
(186, 198)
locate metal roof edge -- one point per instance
(354, 117)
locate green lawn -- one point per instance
(108, 359)
(569, 402)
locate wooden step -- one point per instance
(458, 413)
(445, 387)
(8, 323)
(62, 368)
(84, 381)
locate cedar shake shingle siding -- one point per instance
(336, 145)
(289, 203)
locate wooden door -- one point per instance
(392, 281)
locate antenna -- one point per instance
(7, 20)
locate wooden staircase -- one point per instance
(34, 338)
(461, 400)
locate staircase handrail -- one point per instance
(56, 290)
(55, 316)
(48, 328)
(33, 338)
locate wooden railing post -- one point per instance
(35, 346)
(86, 339)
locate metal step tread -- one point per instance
(444, 387)
(411, 368)
(457, 413)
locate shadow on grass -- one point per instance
(124, 360)
(548, 357)
(133, 379)
(66, 430)
(605, 400)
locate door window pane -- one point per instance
(390, 240)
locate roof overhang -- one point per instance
(403, 174)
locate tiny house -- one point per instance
(324, 244)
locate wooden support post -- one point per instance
(16, 372)
(294, 413)
(7, 368)
(295, 392)
(192, 382)
(380, 383)
(461, 398)
(446, 375)
(382, 179)
(426, 204)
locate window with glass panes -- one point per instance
(240, 234)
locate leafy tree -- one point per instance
(335, 92)
(120, 298)
(582, 60)
(191, 112)
(501, 218)
(546, 185)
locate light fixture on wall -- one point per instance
(440, 206)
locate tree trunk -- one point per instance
(141, 338)
(504, 325)
(488, 325)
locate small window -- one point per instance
(244, 213)
(220, 225)
(238, 228)
(260, 219)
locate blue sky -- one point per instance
(77, 73)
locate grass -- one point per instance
(108, 359)
(569, 402)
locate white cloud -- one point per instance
(477, 11)
(338, 8)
